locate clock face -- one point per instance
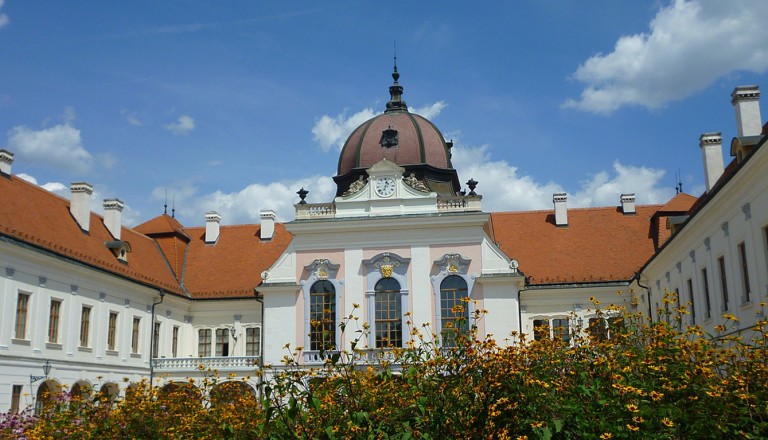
(385, 186)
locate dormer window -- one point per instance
(120, 249)
(389, 138)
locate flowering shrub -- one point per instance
(634, 380)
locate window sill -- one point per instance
(136, 355)
(746, 304)
(85, 349)
(53, 345)
(21, 341)
(112, 353)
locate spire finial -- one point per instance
(165, 205)
(396, 102)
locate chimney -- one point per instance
(561, 211)
(80, 205)
(267, 224)
(113, 216)
(212, 219)
(746, 101)
(6, 159)
(628, 203)
(712, 153)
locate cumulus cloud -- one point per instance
(505, 188)
(332, 131)
(182, 126)
(243, 206)
(4, 20)
(59, 146)
(689, 45)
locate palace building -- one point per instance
(90, 305)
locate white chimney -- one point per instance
(113, 216)
(267, 224)
(212, 219)
(80, 205)
(6, 159)
(746, 101)
(712, 152)
(561, 211)
(628, 203)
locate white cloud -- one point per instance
(244, 206)
(184, 125)
(130, 117)
(332, 132)
(690, 44)
(430, 111)
(59, 146)
(4, 20)
(504, 188)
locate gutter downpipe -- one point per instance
(152, 339)
(261, 336)
(648, 294)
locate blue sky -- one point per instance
(232, 106)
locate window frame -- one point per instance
(723, 272)
(395, 267)
(135, 335)
(112, 330)
(744, 265)
(175, 341)
(156, 327)
(249, 344)
(204, 342)
(223, 338)
(54, 320)
(85, 325)
(446, 310)
(452, 264)
(707, 297)
(689, 284)
(393, 298)
(321, 269)
(22, 315)
(317, 340)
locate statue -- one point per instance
(415, 183)
(355, 187)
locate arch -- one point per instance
(322, 316)
(134, 391)
(46, 394)
(454, 267)
(454, 309)
(322, 275)
(185, 391)
(81, 390)
(232, 392)
(386, 297)
(109, 392)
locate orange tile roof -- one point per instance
(681, 202)
(232, 266)
(171, 237)
(42, 219)
(598, 245)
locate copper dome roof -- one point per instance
(404, 138)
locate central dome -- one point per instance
(404, 138)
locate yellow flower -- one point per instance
(632, 428)
(606, 435)
(667, 422)
(632, 407)
(537, 424)
(656, 396)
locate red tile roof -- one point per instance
(598, 245)
(232, 266)
(32, 215)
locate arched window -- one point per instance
(322, 316)
(389, 313)
(454, 308)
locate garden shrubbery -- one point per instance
(635, 380)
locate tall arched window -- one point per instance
(322, 316)
(454, 308)
(389, 314)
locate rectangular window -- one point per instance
(135, 335)
(222, 342)
(175, 341)
(85, 326)
(744, 272)
(597, 328)
(388, 318)
(204, 342)
(540, 329)
(690, 299)
(16, 398)
(707, 299)
(723, 282)
(678, 315)
(155, 339)
(112, 331)
(322, 316)
(253, 341)
(561, 329)
(53, 321)
(22, 306)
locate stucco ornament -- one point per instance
(386, 266)
(453, 263)
(321, 268)
(415, 183)
(356, 186)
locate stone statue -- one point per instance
(355, 187)
(415, 183)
